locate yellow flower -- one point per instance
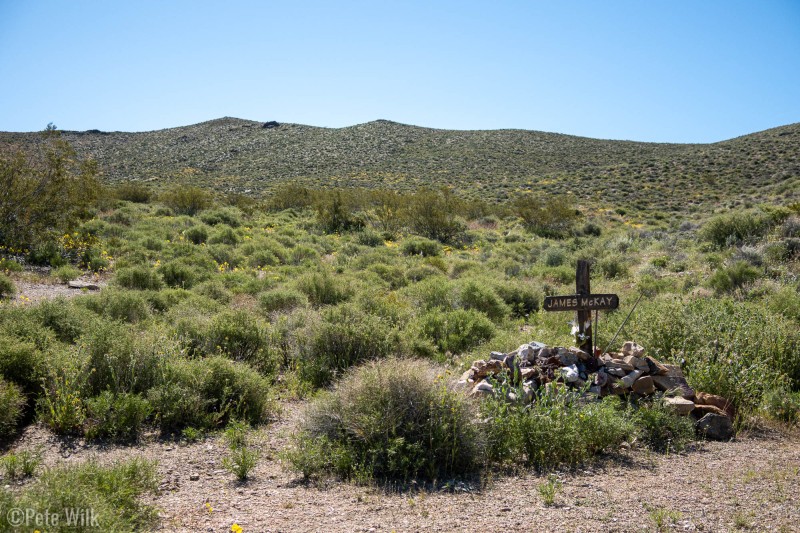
(236, 528)
(209, 508)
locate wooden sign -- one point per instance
(577, 302)
(584, 302)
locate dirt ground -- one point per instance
(747, 484)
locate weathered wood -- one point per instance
(584, 315)
(583, 302)
(83, 285)
(577, 302)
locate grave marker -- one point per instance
(583, 302)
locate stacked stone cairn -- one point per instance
(629, 372)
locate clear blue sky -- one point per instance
(648, 70)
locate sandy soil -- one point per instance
(747, 484)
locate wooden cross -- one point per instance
(584, 302)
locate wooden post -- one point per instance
(584, 315)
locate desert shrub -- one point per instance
(390, 419)
(323, 288)
(196, 234)
(7, 287)
(481, 296)
(431, 293)
(345, 336)
(19, 465)
(241, 337)
(369, 237)
(612, 267)
(334, 212)
(733, 276)
(66, 273)
(781, 405)
(421, 272)
(22, 363)
(242, 456)
(738, 350)
(661, 429)
(300, 255)
(230, 216)
(112, 492)
(394, 275)
(554, 257)
(591, 229)
(46, 191)
(208, 392)
(119, 361)
(138, 277)
(741, 226)
(552, 217)
(556, 429)
(523, 297)
(434, 214)
(12, 403)
(186, 200)
(421, 247)
(179, 274)
(118, 417)
(133, 192)
(9, 265)
(224, 234)
(281, 300)
(454, 331)
(60, 407)
(785, 301)
(215, 290)
(117, 304)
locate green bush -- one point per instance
(733, 277)
(421, 247)
(781, 405)
(133, 192)
(7, 287)
(552, 216)
(118, 304)
(114, 494)
(323, 288)
(22, 363)
(120, 361)
(481, 296)
(60, 408)
(556, 429)
(455, 331)
(523, 297)
(434, 214)
(196, 234)
(224, 234)
(139, 277)
(12, 402)
(66, 273)
(241, 337)
(20, 465)
(281, 300)
(207, 393)
(186, 200)
(344, 337)
(741, 226)
(179, 274)
(228, 215)
(334, 214)
(390, 419)
(663, 430)
(117, 417)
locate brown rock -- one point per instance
(704, 398)
(656, 368)
(644, 385)
(701, 410)
(481, 369)
(671, 383)
(682, 406)
(83, 285)
(580, 354)
(618, 364)
(631, 378)
(631, 348)
(636, 363)
(529, 373)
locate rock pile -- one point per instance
(629, 372)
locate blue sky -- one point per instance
(647, 70)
